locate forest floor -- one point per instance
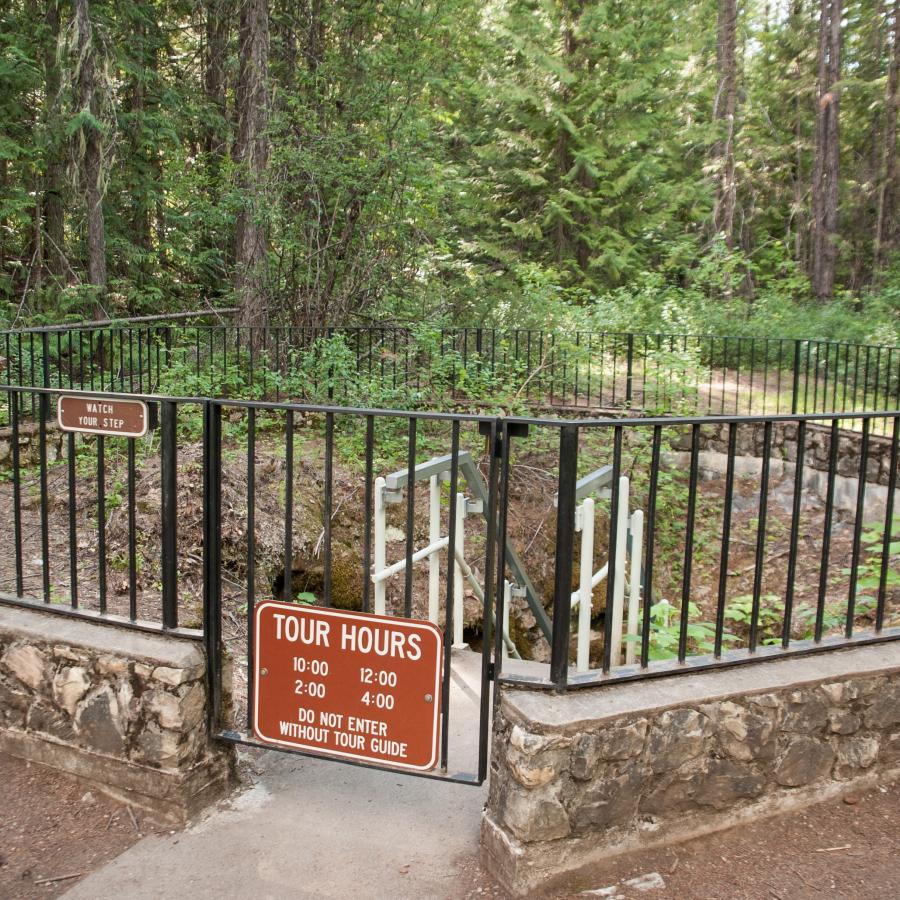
(54, 830)
(844, 848)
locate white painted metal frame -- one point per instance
(437, 543)
(582, 599)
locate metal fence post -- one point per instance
(795, 381)
(629, 377)
(212, 532)
(169, 479)
(565, 543)
(45, 361)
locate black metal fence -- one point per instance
(519, 369)
(755, 537)
(93, 521)
(568, 552)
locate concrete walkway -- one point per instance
(315, 828)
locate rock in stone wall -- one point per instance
(131, 719)
(562, 794)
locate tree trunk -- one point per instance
(91, 156)
(826, 172)
(887, 230)
(724, 113)
(54, 174)
(218, 26)
(251, 151)
(142, 199)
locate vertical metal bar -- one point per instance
(760, 536)
(367, 537)
(888, 526)
(724, 371)
(212, 579)
(410, 516)
(846, 377)
(44, 413)
(488, 606)
(502, 519)
(877, 377)
(169, 476)
(45, 359)
(629, 372)
(689, 545)
(866, 379)
(780, 373)
(251, 559)
(752, 375)
(140, 352)
(101, 521)
(815, 405)
(287, 592)
(857, 527)
(449, 606)
(114, 381)
(651, 541)
(826, 531)
(328, 502)
(726, 539)
(565, 548)
(132, 535)
(806, 378)
(612, 576)
(73, 521)
(795, 536)
(17, 492)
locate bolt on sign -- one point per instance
(361, 687)
(112, 417)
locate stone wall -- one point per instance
(578, 777)
(121, 709)
(29, 444)
(714, 436)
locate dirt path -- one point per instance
(52, 826)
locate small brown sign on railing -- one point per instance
(110, 416)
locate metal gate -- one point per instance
(266, 455)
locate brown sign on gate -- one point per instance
(348, 685)
(111, 416)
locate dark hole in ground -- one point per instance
(303, 581)
(308, 577)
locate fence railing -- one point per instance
(747, 537)
(518, 368)
(756, 535)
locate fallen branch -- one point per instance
(59, 878)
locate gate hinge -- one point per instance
(491, 672)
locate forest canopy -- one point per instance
(687, 165)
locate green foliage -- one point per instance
(869, 569)
(665, 628)
(528, 164)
